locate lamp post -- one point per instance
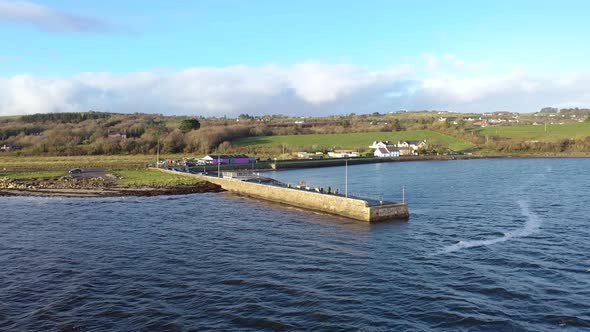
(346, 178)
(404, 194)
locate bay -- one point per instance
(499, 244)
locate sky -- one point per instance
(303, 58)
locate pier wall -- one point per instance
(348, 207)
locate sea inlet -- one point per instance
(491, 245)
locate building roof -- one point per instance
(413, 142)
(226, 156)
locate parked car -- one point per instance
(75, 171)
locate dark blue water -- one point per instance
(491, 245)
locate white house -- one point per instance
(343, 154)
(384, 149)
(386, 152)
(304, 155)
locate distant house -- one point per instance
(343, 154)
(304, 155)
(7, 147)
(387, 152)
(214, 159)
(411, 147)
(384, 149)
(117, 134)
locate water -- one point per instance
(492, 245)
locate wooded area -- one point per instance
(98, 133)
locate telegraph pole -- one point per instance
(158, 154)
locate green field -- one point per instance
(153, 178)
(11, 162)
(355, 140)
(554, 132)
(9, 117)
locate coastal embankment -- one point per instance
(106, 185)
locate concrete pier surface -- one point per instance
(272, 190)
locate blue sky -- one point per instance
(76, 54)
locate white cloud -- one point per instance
(432, 62)
(47, 18)
(308, 88)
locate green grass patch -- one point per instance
(11, 162)
(10, 117)
(32, 175)
(355, 140)
(153, 178)
(554, 132)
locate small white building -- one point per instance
(343, 154)
(304, 155)
(384, 149)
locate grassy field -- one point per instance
(354, 140)
(153, 178)
(554, 132)
(32, 175)
(12, 162)
(9, 117)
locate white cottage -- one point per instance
(386, 152)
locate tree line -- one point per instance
(95, 133)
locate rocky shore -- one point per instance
(93, 187)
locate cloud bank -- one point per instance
(46, 18)
(308, 88)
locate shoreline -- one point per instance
(31, 188)
(292, 164)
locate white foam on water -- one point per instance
(531, 226)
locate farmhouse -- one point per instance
(214, 159)
(411, 147)
(117, 135)
(384, 149)
(387, 152)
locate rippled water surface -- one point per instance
(495, 245)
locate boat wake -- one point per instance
(530, 227)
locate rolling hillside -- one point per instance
(354, 140)
(555, 132)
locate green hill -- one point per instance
(553, 132)
(355, 140)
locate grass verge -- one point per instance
(10, 162)
(153, 178)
